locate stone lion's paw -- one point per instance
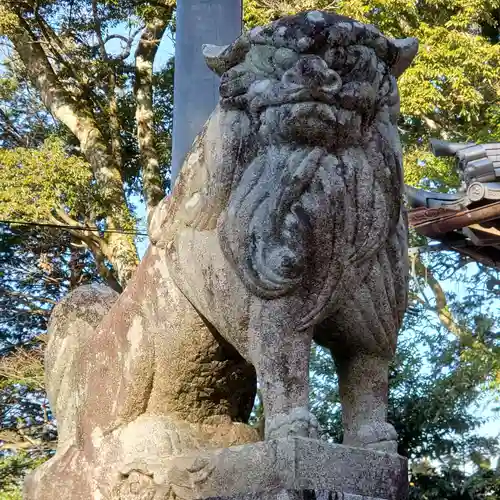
(380, 436)
(299, 422)
(136, 485)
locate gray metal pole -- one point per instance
(217, 22)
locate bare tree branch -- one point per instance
(98, 31)
(128, 40)
(441, 306)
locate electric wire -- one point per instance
(94, 229)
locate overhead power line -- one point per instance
(68, 227)
(63, 227)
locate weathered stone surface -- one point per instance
(184, 394)
(286, 221)
(267, 467)
(72, 324)
(285, 226)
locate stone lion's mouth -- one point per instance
(290, 96)
(318, 109)
(310, 95)
(301, 107)
(306, 109)
(310, 122)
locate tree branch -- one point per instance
(28, 297)
(21, 441)
(441, 308)
(104, 271)
(10, 130)
(53, 95)
(55, 45)
(144, 59)
(98, 31)
(128, 40)
(110, 89)
(77, 116)
(95, 244)
(79, 234)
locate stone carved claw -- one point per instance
(379, 436)
(137, 486)
(162, 478)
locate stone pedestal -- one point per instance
(283, 469)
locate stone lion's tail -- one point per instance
(72, 324)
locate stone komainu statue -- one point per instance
(285, 225)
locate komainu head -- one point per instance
(312, 173)
(315, 78)
(299, 168)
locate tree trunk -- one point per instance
(119, 248)
(144, 58)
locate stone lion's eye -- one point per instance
(285, 58)
(360, 63)
(335, 57)
(261, 59)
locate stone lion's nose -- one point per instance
(312, 72)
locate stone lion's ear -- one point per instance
(406, 50)
(220, 58)
(214, 56)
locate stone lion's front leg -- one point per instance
(280, 354)
(364, 335)
(363, 387)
